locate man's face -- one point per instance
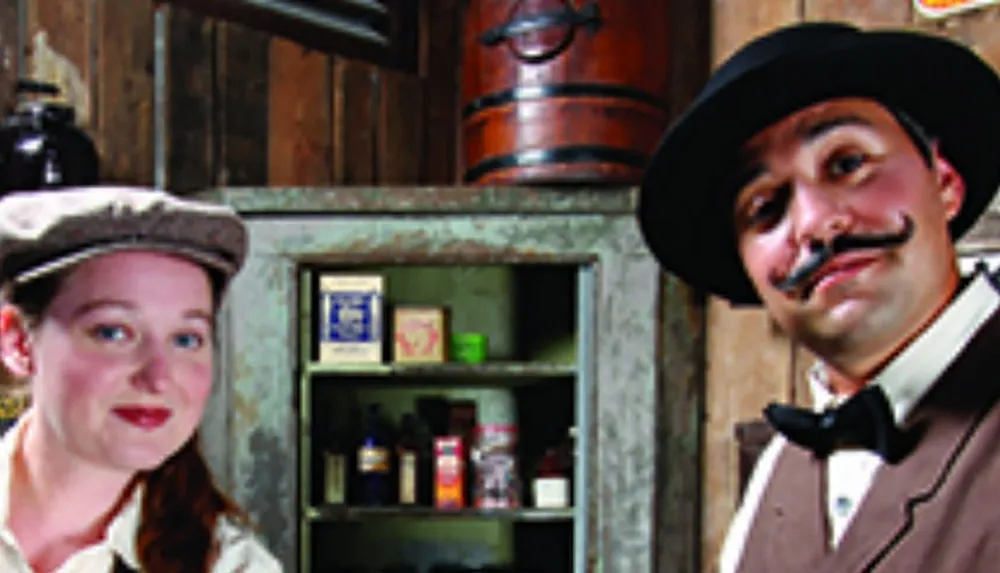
(846, 167)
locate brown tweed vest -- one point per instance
(938, 511)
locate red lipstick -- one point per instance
(145, 417)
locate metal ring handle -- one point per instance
(589, 15)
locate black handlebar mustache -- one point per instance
(842, 244)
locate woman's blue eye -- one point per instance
(190, 340)
(110, 333)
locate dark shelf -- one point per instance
(336, 513)
(487, 370)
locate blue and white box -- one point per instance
(351, 320)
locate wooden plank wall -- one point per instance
(749, 361)
(242, 107)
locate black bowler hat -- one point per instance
(686, 197)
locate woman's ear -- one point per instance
(15, 342)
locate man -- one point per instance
(826, 172)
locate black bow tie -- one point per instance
(864, 421)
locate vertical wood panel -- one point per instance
(299, 136)
(242, 85)
(59, 35)
(440, 61)
(864, 13)
(355, 112)
(737, 21)
(10, 53)
(123, 35)
(190, 154)
(400, 129)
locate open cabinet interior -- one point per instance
(468, 368)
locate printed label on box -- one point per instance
(449, 479)
(350, 328)
(352, 317)
(419, 335)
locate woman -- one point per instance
(110, 298)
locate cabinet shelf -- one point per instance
(341, 513)
(487, 370)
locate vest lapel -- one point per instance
(947, 416)
(792, 508)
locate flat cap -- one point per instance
(43, 232)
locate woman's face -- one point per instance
(121, 364)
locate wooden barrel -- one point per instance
(563, 91)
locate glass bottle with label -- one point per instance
(335, 465)
(408, 461)
(552, 486)
(374, 460)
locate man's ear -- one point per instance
(15, 342)
(950, 183)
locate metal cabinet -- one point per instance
(253, 434)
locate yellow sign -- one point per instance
(943, 8)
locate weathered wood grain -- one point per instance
(123, 86)
(191, 156)
(242, 87)
(440, 56)
(864, 13)
(299, 146)
(735, 22)
(400, 136)
(59, 52)
(355, 125)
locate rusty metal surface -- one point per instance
(257, 405)
(404, 200)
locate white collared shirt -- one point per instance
(905, 380)
(240, 551)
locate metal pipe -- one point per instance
(315, 17)
(160, 97)
(586, 315)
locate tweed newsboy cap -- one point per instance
(42, 232)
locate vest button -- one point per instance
(842, 505)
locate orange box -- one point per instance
(449, 472)
(420, 334)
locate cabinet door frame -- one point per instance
(251, 427)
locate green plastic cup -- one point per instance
(469, 347)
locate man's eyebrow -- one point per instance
(812, 131)
(809, 131)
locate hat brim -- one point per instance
(208, 261)
(685, 209)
